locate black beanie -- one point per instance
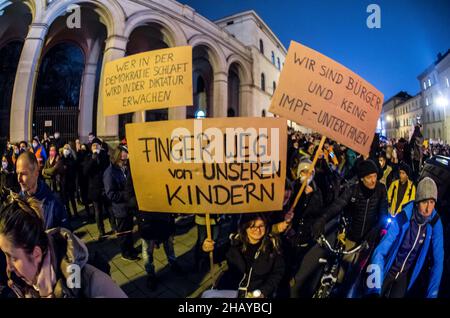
(366, 167)
(403, 166)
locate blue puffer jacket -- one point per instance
(386, 252)
(55, 215)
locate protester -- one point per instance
(254, 257)
(28, 176)
(402, 253)
(401, 191)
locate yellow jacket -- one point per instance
(410, 195)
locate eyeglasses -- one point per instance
(254, 228)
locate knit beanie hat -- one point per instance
(426, 189)
(405, 167)
(366, 167)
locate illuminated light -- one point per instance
(200, 114)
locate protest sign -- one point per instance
(150, 80)
(321, 94)
(216, 165)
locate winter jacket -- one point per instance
(66, 251)
(114, 180)
(307, 210)
(267, 269)
(367, 214)
(68, 174)
(51, 173)
(55, 215)
(93, 169)
(410, 195)
(40, 154)
(386, 252)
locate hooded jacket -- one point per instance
(386, 252)
(69, 255)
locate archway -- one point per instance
(15, 19)
(57, 98)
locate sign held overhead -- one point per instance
(321, 94)
(150, 80)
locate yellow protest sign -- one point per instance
(321, 94)
(217, 165)
(150, 80)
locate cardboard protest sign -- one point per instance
(321, 94)
(150, 80)
(217, 165)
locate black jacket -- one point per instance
(308, 209)
(114, 180)
(94, 167)
(366, 210)
(68, 174)
(268, 268)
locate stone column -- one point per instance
(247, 108)
(220, 91)
(87, 100)
(25, 81)
(108, 127)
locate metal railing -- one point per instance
(51, 119)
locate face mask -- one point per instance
(16, 152)
(56, 136)
(66, 152)
(4, 164)
(35, 145)
(97, 151)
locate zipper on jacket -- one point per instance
(365, 216)
(407, 256)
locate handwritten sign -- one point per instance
(323, 95)
(150, 80)
(217, 165)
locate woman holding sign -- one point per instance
(255, 261)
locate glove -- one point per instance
(318, 228)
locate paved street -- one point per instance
(131, 276)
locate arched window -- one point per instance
(261, 46)
(273, 58)
(263, 82)
(439, 133)
(278, 62)
(263, 114)
(274, 85)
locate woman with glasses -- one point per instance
(254, 258)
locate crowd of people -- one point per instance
(50, 182)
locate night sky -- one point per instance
(412, 33)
